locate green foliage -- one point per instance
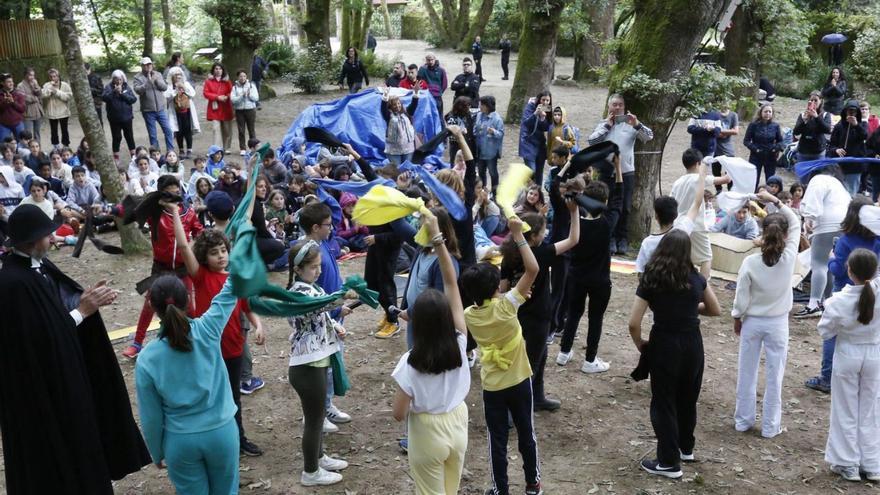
(199, 65)
(865, 59)
(506, 18)
(313, 70)
(122, 61)
(281, 57)
(414, 24)
(377, 65)
(245, 24)
(780, 40)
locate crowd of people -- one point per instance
(493, 285)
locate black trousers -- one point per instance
(577, 291)
(439, 101)
(621, 231)
(379, 274)
(514, 402)
(676, 367)
(117, 130)
(233, 367)
(505, 61)
(559, 307)
(246, 118)
(65, 136)
(479, 69)
(535, 329)
(184, 134)
(310, 384)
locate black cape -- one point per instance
(65, 415)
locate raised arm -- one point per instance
(524, 285)
(699, 185)
(574, 231)
(447, 270)
(189, 258)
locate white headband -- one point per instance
(303, 252)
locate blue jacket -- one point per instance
(763, 138)
(846, 244)
(488, 146)
(701, 138)
(407, 232)
(119, 104)
(532, 140)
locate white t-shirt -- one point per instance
(435, 394)
(683, 192)
(649, 244)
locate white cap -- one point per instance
(146, 60)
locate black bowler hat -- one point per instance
(28, 223)
(597, 156)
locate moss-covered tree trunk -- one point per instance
(167, 39)
(316, 24)
(132, 239)
(386, 18)
(589, 50)
(148, 28)
(737, 57)
(537, 53)
(664, 37)
(478, 25)
(345, 27)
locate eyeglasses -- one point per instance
(326, 225)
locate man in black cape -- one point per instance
(65, 415)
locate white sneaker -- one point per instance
(320, 477)
(597, 366)
(849, 473)
(472, 358)
(330, 427)
(330, 464)
(337, 416)
(563, 358)
(872, 476)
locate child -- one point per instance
(82, 192)
(349, 234)
(230, 183)
(156, 156)
(532, 201)
(141, 151)
(36, 156)
(185, 405)
(797, 194)
(172, 166)
(433, 380)
(203, 187)
(760, 317)
(533, 313)
(505, 372)
(314, 339)
(61, 170)
(206, 264)
(52, 205)
(676, 294)
(20, 171)
(590, 274)
(215, 162)
(8, 151)
(774, 184)
(69, 158)
(146, 179)
(274, 170)
(739, 224)
(487, 213)
(850, 317)
(198, 171)
(559, 231)
(276, 213)
(786, 199)
(11, 193)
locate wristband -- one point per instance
(522, 243)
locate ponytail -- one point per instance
(862, 264)
(168, 297)
(775, 231)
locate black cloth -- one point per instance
(591, 258)
(467, 84)
(513, 402)
(505, 56)
(834, 96)
(465, 122)
(233, 370)
(394, 81)
(464, 229)
(65, 415)
(850, 138)
(577, 290)
(675, 311)
(96, 86)
(535, 329)
(258, 69)
(539, 302)
(558, 277)
(269, 247)
(811, 133)
(354, 72)
(477, 50)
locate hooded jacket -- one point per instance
(531, 133)
(33, 98)
(213, 168)
(564, 131)
(435, 77)
(11, 194)
(850, 138)
(119, 104)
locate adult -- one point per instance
(371, 42)
(705, 130)
(435, 77)
(12, 108)
(56, 98)
(259, 68)
(33, 98)
(181, 110)
(489, 135)
(848, 140)
(766, 91)
(724, 145)
(400, 135)
(823, 207)
(764, 140)
(177, 60)
(245, 96)
(834, 90)
(150, 87)
(398, 74)
(623, 129)
(65, 416)
(353, 73)
(96, 86)
(811, 128)
(119, 98)
(477, 53)
(532, 133)
(217, 91)
(504, 46)
(461, 116)
(412, 81)
(467, 83)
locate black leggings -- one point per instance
(65, 136)
(310, 384)
(233, 367)
(535, 329)
(577, 292)
(184, 132)
(117, 129)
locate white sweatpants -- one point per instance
(771, 333)
(854, 435)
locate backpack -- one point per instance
(577, 136)
(181, 102)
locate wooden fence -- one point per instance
(28, 39)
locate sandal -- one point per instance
(818, 383)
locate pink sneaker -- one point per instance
(132, 351)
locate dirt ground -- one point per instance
(591, 446)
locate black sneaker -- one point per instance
(654, 467)
(547, 404)
(248, 448)
(534, 489)
(806, 312)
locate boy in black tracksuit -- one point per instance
(590, 273)
(559, 231)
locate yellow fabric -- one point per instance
(321, 363)
(509, 186)
(437, 445)
(495, 326)
(383, 204)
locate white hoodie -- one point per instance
(11, 194)
(825, 203)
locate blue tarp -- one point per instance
(357, 119)
(803, 169)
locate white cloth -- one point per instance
(763, 290)
(435, 394)
(741, 171)
(730, 201)
(854, 435)
(771, 333)
(825, 203)
(841, 310)
(649, 244)
(683, 191)
(869, 216)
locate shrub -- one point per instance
(280, 56)
(865, 57)
(312, 70)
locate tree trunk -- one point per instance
(167, 39)
(107, 50)
(462, 20)
(132, 240)
(299, 19)
(737, 59)
(345, 27)
(386, 17)
(537, 51)
(148, 28)
(357, 38)
(589, 53)
(316, 24)
(365, 25)
(236, 54)
(658, 50)
(478, 26)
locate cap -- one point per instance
(146, 60)
(219, 203)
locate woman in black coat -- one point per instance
(834, 91)
(353, 71)
(119, 99)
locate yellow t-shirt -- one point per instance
(496, 329)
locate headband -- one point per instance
(303, 252)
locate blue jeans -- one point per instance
(490, 224)
(13, 131)
(34, 127)
(852, 181)
(827, 358)
(150, 119)
(399, 159)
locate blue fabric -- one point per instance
(150, 120)
(449, 198)
(356, 188)
(488, 147)
(844, 246)
(359, 116)
(828, 359)
(804, 169)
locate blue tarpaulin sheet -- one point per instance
(357, 119)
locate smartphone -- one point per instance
(394, 311)
(620, 119)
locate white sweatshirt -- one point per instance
(763, 290)
(825, 203)
(839, 317)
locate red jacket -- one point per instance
(165, 249)
(218, 110)
(11, 111)
(407, 84)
